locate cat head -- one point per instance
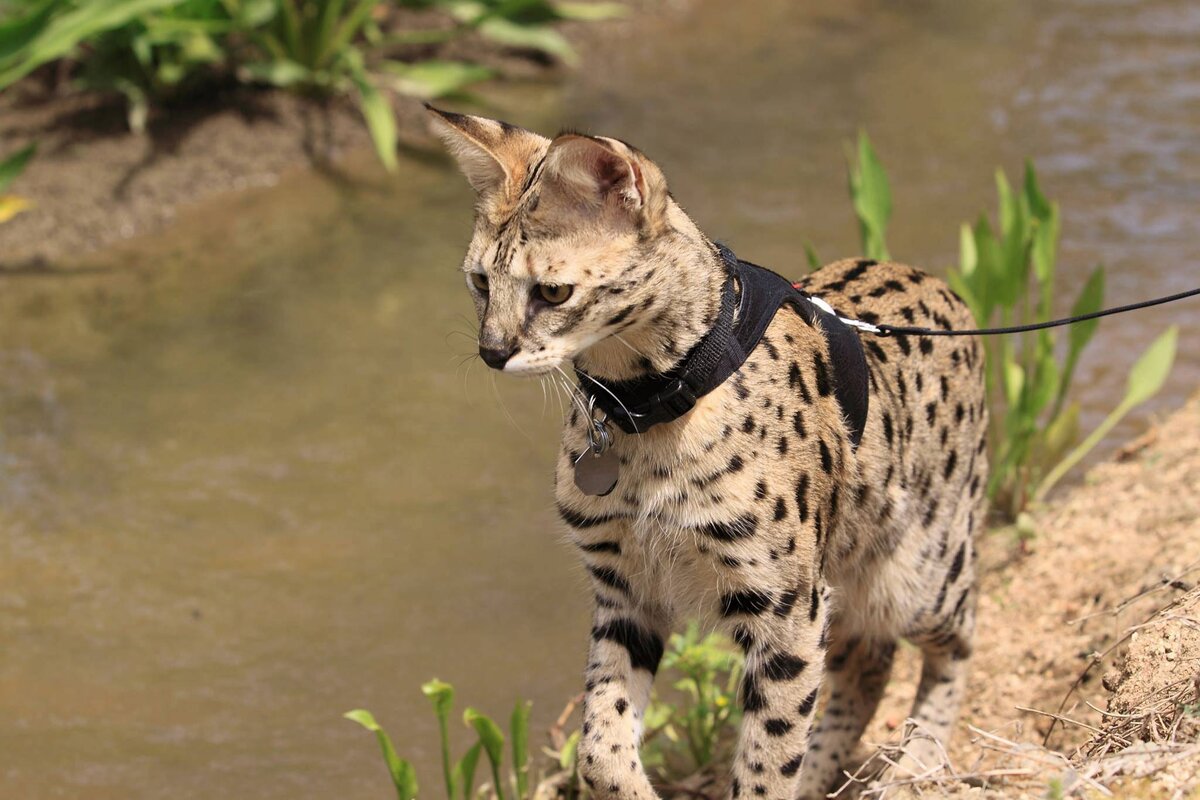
(571, 236)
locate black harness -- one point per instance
(639, 404)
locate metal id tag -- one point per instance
(597, 468)
(596, 475)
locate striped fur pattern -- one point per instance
(752, 512)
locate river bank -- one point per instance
(94, 182)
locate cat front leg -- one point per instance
(784, 647)
(626, 646)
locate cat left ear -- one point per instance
(599, 171)
(494, 155)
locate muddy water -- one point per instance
(246, 484)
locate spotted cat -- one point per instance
(754, 510)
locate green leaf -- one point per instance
(404, 777)
(281, 72)
(381, 120)
(1039, 206)
(62, 33)
(1089, 301)
(872, 199)
(567, 757)
(13, 165)
(1149, 373)
(489, 733)
(1014, 383)
(464, 771)
(531, 37)
(810, 253)
(441, 694)
(1151, 370)
(588, 12)
(17, 32)
(432, 79)
(518, 728)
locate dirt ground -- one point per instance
(1096, 620)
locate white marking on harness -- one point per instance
(853, 323)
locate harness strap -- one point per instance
(639, 404)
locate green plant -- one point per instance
(1009, 277)
(146, 50)
(459, 776)
(404, 777)
(686, 736)
(11, 168)
(871, 196)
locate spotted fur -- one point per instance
(752, 512)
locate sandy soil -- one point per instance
(1095, 620)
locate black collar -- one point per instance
(639, 404)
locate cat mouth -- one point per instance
(531, 364)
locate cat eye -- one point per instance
(479, 281)
(554, 294)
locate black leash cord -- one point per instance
(888, 330)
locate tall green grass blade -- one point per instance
(404, 777)
(530, 37)
(348, 29)
(15, 33)
(518, 729)
(464, 771)
(13, 165)
(381, 121)
(67, 30)
(872, 199)
(1089, 301)
(810, 254)
(441, 694)
(588, 12)
(492, 739)
(1147, 377)
(432, 79)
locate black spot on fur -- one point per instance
(823, 385)
(780, 509)
(621, 705)
(741, 528)
(746, 601)
(645, 648)
(752, 697)
(792, 766)
(581, 521)
(951, 462)
(601, 547)
(798, 424)
(610, 577)
(806, 705)
(776, 726)
(826, 458)
(802, 497)
(784, 667)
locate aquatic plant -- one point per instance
(1008, 277)
(11, 167)
(459, 776)
(148, 50)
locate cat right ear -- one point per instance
(494, 155)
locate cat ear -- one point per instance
(492, 154)
(598, 171)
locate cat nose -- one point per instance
(497, 357)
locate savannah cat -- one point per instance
(754, 511)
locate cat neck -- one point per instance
(681, 299)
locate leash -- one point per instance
(888, 330)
